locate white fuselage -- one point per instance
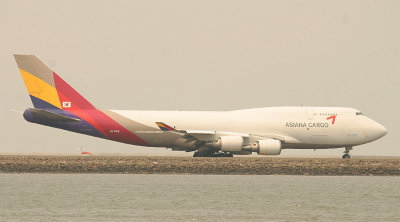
(296, 127)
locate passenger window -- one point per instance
(359, 113)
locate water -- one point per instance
(116, 197)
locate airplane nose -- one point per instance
(379, 130)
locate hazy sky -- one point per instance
(203, 55)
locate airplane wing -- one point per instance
(205, 141)
(202, 135)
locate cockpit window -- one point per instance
(359, 113)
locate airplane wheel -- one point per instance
(199, 154)
(218, 155)
(223, 155)
(202, 154)
(346, 156)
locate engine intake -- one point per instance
(228, 143)
(265, 147)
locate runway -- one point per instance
(189, 165)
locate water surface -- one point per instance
(118, 197)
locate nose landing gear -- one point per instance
(346, 152)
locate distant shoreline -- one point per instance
(189, 165)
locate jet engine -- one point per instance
(265, 147)
(228, 143)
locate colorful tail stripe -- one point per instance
(49, 92)
(38, 80)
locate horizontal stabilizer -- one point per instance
(46, 116)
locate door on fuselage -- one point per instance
(310, 113)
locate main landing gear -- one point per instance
(207, 154)
(222, 155)
(346, 152)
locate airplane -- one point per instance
(265, 131)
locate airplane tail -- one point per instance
(57, 104)
(46, 89)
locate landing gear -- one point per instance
(197, 154)
(208, 154)
(346, 152)
(222, 155)
(346, 156)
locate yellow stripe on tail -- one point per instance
(40, 89)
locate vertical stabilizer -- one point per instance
(46, 89)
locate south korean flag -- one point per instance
(66, 104)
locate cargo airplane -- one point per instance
(265, 131)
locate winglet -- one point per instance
(164, 127)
